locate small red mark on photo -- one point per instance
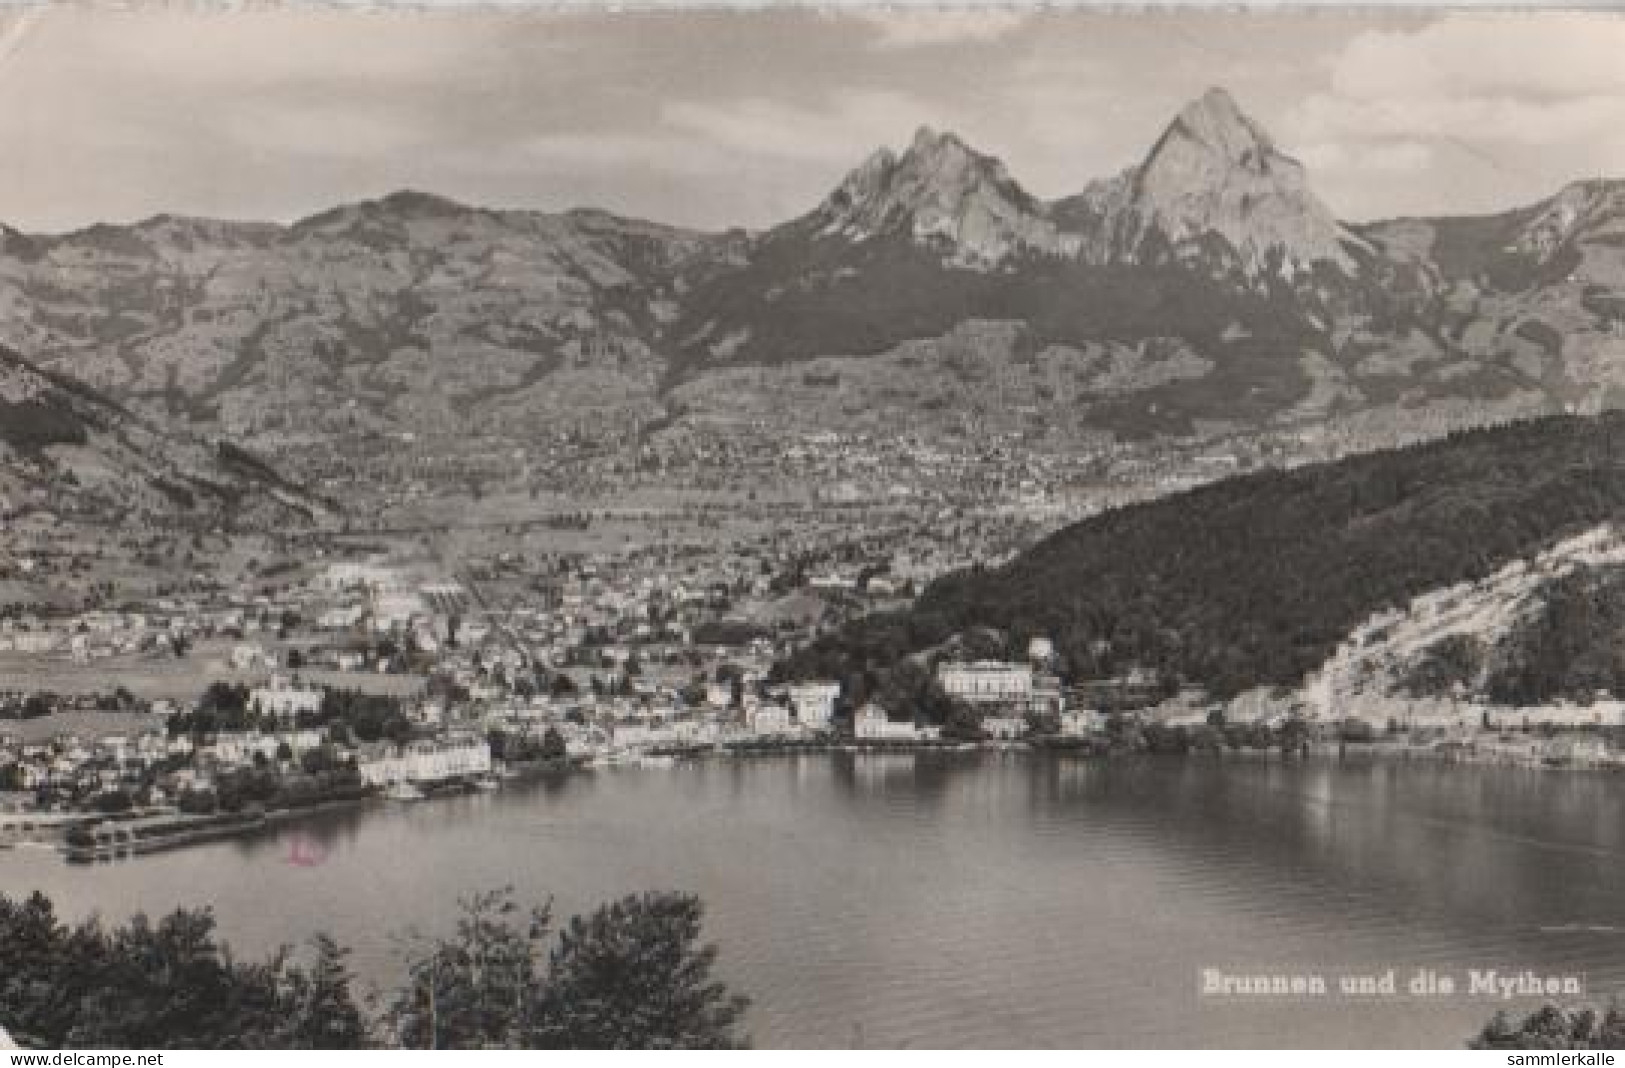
(306, 851)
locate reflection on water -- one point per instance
(966, 899)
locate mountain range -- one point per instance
(1207, 289)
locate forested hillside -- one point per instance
(1254, 580)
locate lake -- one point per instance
(982, 899)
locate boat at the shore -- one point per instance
(117, 840)
(403, 791)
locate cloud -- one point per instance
(256, 50)
(1527, 80)
(14, 27)
(1404, 157)
(1041, 117)
(849, 125)
(1053, 97)
(611, 152)
(1489, 119)
(1394, 158)
(728, 117)
(348, 130)
(1533, 57)
(1489, 110)
(900, 29)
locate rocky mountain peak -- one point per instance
(1216, 171)
(1214, 124)
(1213, 173)
(940, 190)
(1580, 212)
(945, 156)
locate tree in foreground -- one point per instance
(1554, 1027)
(631, 975)
(634, 975)
(477, 988)
(323, 1013)
(169, 984)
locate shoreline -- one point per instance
(186, 831)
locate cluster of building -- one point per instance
(154, 769)
(613, 727)
(293, 732)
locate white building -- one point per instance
(426, 761)
(1584, 749)
(284, 700)
(1083, 721)
(346, 575)
(814, 702)
(339, 618)
(1601, 713)
(770, 720)
(872, 724)
(1004, 728)
(395, 608)
(630, 733)
(987, 682)
(248, 657)
(239, 747)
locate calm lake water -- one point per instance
(988, 899)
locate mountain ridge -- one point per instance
(413, 311)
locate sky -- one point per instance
(747, 119)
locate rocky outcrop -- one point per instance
(1214, 173)
(941, 190)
